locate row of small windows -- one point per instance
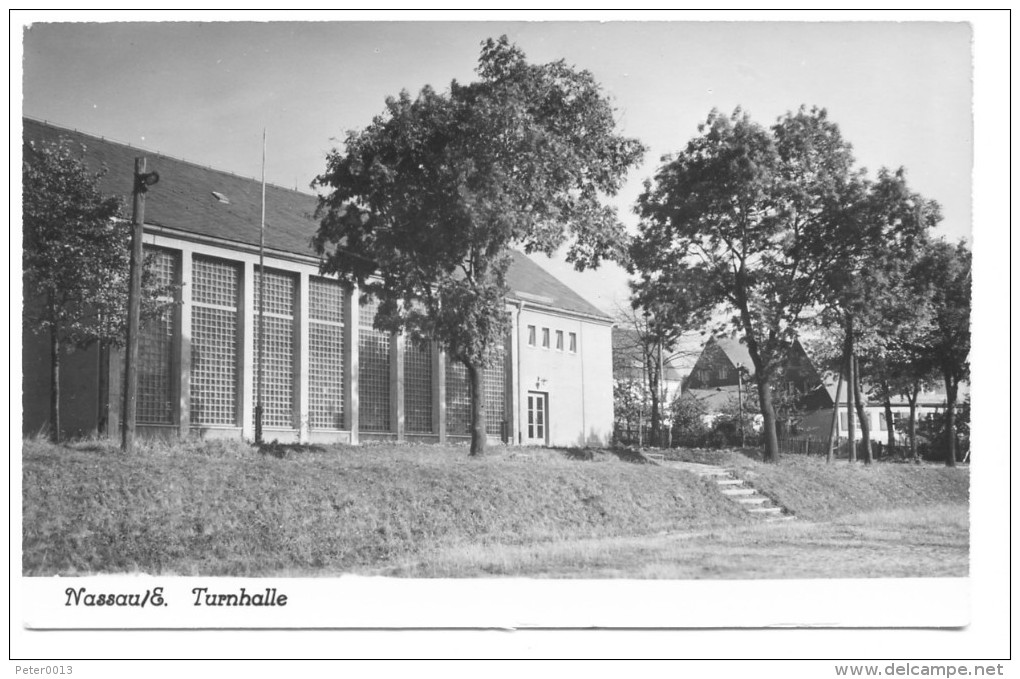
(571, 337)
(215, 333)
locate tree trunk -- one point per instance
(769, 414)
(656, 436)
(891, 433)
(912, 426)
(103, 390)
(950, 421)
(851, 377)
(476, 376)
(55, 434)
(834, 427)
(865, 420)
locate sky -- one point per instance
(900, 91)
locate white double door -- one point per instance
(537, 430)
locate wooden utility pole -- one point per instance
(834, 427)
(740, 405)
(142, 181)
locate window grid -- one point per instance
(214, 283)
(155, 347)
(417, 388)
(495, 395)
(155, 367)
(213, 365)
(373, 371)
(278, 350)
(215, 293)
(280, 289)
(325, 300)
(458, 398)
(325, 354)
(161, 266)
(277, 371)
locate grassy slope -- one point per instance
(223, 509)
(923, 542)
(815, 490)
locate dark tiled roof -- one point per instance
(736, 351)
(184, 200)
(531, 283)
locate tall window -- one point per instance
(545, 338)
(559, 340)
(458, 398)
(417, 388)
(573, 342)
(215, 289)
(278, 352)
(325, 353)
(531, 335)
(155, 347)
(373, 371)
(495, 394)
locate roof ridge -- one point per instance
(176, 159)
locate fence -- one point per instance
(788, 445)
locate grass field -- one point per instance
(933, 542)
(217, 508)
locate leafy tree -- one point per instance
(688, 416)
(738, 219)
(943, 275)
(647, 344)
(873, 241)
(425, 203)
(75, 257)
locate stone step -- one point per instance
(729, 482)
(782, 517)
(766, 511)
(752, 500)
(713, 472)
(738, 491)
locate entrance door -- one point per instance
(538, 418)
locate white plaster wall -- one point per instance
(579, 385)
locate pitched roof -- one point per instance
(530, 283)
(225, 206)
(714, 399)
(184, 199)
(736, 351)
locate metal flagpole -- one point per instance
(262, 299)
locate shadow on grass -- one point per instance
(284, 450)
(632, 455)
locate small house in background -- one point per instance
(715, 382)
(724, 373)
(329, 375)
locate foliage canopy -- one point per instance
(424, 204)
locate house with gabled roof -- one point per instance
(724, 369)
(329, 375)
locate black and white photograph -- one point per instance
(422, 322)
